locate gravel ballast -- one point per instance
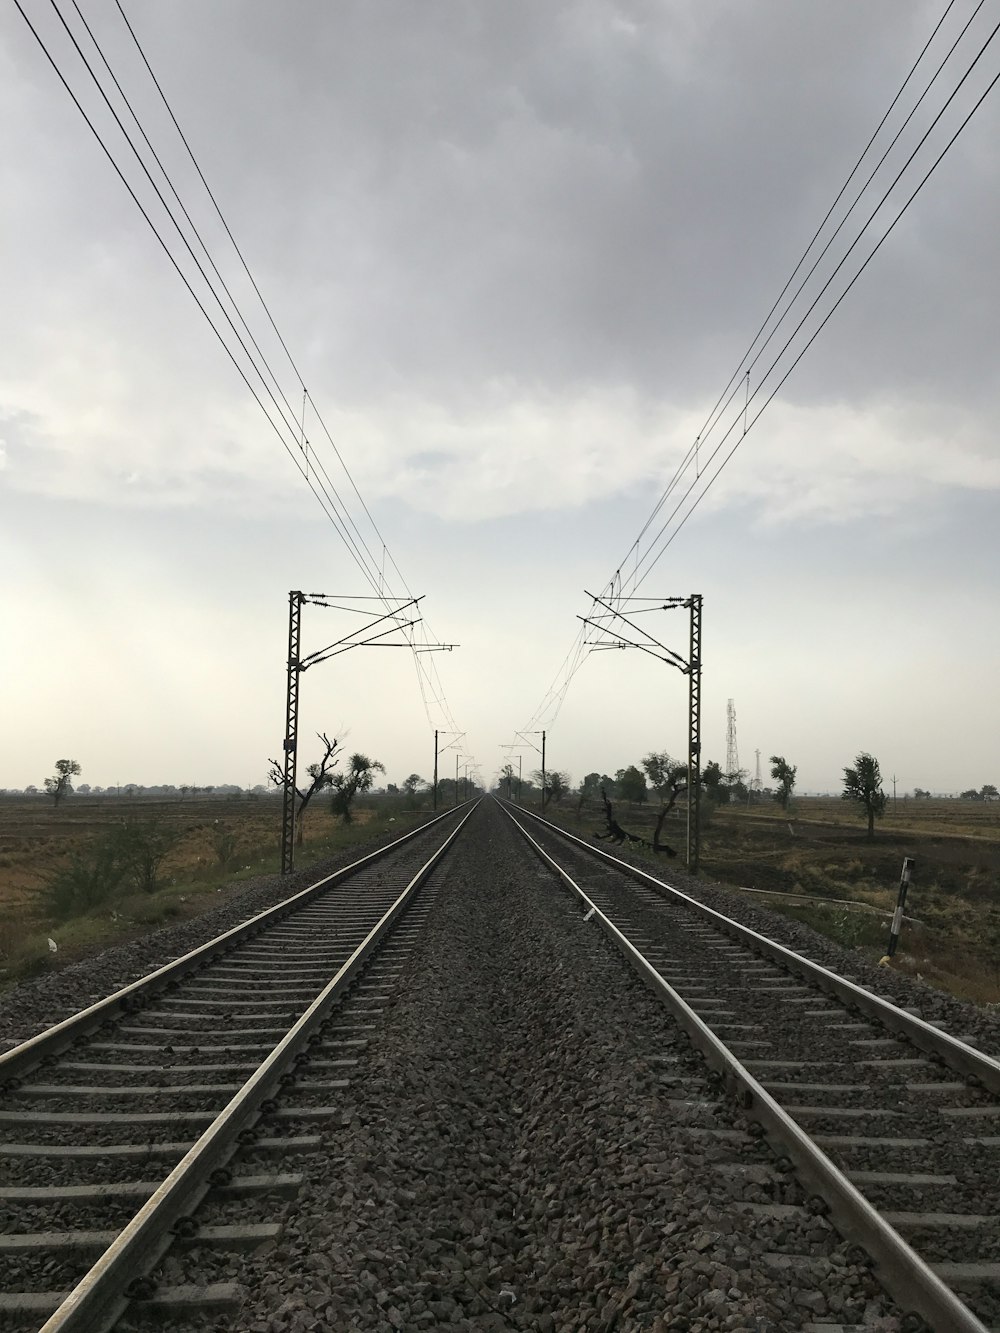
(528, 1143)
(42, 1001)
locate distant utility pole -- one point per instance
(524, 737)
(690, 667)
(509, 748)
(297, 664)
(894, 796)
(458, 736)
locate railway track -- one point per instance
(190, 1093)
(892, 1125)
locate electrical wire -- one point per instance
(645, 558)
(651, 560)
(729, 392)
(259, 294)
(284, 420)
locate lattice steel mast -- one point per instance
(732, 750)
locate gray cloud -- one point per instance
(517, 249)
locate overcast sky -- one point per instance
(516, 251)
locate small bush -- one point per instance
(127, 857)
(142, 846)
(225, 844)
(91, 877)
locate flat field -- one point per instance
(211, 844)
(820, 850)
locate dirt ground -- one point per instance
(35, 835)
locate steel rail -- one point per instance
(22, 1058)
(967, 1060)
(99, 1299)
(907, 1278)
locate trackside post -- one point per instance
(896, 928)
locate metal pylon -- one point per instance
(694, 735)
(289, 774)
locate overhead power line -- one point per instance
(731, 413)
(230, 324)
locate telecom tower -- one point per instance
(732, 752)
(757, 784)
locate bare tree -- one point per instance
(321, 775)
(619, 836)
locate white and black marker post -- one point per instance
(897, 917)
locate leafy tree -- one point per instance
(920, 795)
(971, 795)
(714, 781)
(556, 784)
(863, 785)
(320, 775)
(128, 856)
(60, 785)
(360, 777)
(668, 777)
(590, 787)
(784, 773)
(507, 779)
(989, 793)
(631, 784)
(410, 788)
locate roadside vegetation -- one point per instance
(83, 872)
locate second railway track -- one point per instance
(894, 1124)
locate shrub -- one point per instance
(142, 847)
(225, 844)
(91, 877)
(129, 856)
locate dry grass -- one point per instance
(217, 843)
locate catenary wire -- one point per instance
(360, 551)
(334, 508)
(422, 673)
(260, 296)
(639, 580)
(167, 251)
(575, 658)
(735, 379)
